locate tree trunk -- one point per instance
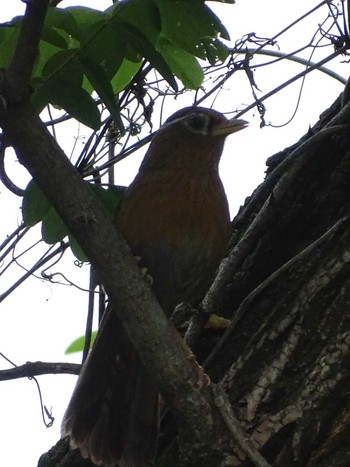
(284, 362)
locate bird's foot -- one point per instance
(144, 271)
(217, 322)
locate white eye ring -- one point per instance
(197, 122)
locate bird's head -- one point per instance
(192, 138)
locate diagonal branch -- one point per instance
(89, 222)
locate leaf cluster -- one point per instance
(83, 50)
(37, 208)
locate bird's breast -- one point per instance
(179, 227)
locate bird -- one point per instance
(175, 218)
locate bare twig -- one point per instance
(3, 175)
(12, 240)
(36, 266)
(297, 59)
(30, 369)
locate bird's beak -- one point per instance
(229, 127)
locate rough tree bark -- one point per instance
(284, 362)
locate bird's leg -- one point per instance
(181, 316)
(144, 271)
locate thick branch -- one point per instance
(26, 52)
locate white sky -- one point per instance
(40, 319)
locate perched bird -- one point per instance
(175, 217)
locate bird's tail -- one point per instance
(113, 414)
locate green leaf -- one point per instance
(222, 51)
(215, 50)
(76, 20)
(101, 84)
(98, 42)
(105, 46)
(183, 64)
(143, 15)
(70, 97)
(187, 23)
(124, 75)
(56, 37)
(35, 205)
(77, 250)
(65, 66)
(141, 44)
(8, 40)
(61, 18)
(46, 51)
(78, 344)
(53, 229)
(85, 19)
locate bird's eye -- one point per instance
(198, 123)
